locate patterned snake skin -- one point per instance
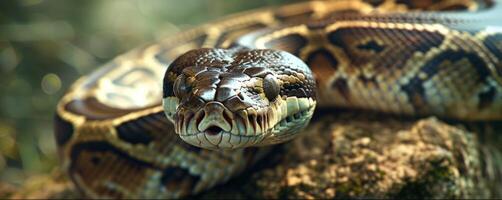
(115, 140)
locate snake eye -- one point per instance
(181, 87)
(271, 87)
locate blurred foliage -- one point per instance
(45, 45)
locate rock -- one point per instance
(352, 156)
(341, 158)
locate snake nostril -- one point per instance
(213, 130)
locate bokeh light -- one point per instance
(8, 58)
(51, 83)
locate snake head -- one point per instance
(227, 99)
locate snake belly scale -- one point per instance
(254, 79)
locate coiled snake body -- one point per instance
(116, 141)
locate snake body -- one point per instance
(250, 85)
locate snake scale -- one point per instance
(255, 78)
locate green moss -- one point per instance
(438, 181)
(349, 189)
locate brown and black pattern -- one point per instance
(115, 141)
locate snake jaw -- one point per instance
(216, 127)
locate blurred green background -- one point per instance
(45, 45)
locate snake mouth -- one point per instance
(221, 140)
(213, 130)
(277, 123)
(220, 131)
